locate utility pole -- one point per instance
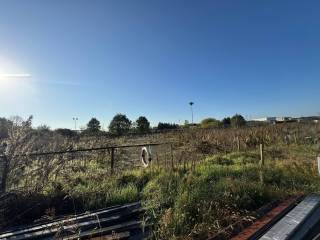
(75, 119)
(191, 104)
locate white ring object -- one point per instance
(145, 156)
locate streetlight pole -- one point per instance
(75, 119)
(191, 104)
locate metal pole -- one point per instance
(191, 104)
(191, 114)
(75, 123)
(112, 160)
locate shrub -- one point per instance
(210, 123)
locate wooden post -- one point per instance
(150, 166)
(112, 160)
(166, 162)
(318, 161)
(261, 162)
(172, 164)
(4, 163)
(261, 154)
(157, 157)
(238, 143)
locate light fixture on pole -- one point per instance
(191, 104)
(75, 119)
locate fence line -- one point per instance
(87, 149)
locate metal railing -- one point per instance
(29, 169)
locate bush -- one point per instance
(210, 123)
(167, 126)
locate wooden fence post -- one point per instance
(112, 160)
(238, 143)
(261, 162)
(318, 161)
(172, 164)
(157, 157)
(261, 154)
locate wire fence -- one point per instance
(33, 171)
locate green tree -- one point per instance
(238, 121)
(93, 125)
(143, 125)
(120, 124)
(210, 123)
(226, 121)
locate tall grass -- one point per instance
(222, 186)
(220, 191)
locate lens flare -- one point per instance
(16, 85)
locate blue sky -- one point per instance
(95, 58)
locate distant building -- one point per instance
(265, 119)
(284, 119)
(274, 119)
(315, 119)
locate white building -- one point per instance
(273, 119)
(265, 119)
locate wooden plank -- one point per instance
(283, 229)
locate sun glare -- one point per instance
(15, 82)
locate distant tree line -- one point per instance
(236, 121)
(121, 125)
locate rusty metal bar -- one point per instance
(87, 149)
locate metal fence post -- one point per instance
(112, 160)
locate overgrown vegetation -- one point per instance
(220, 191)
(212, 179)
